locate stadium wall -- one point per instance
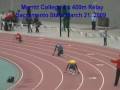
(111, 7)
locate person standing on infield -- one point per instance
(105, 38)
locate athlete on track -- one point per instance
(60, 50)
(72, 67)
(18, 37)
(117, 71)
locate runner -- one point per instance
(60, 50)
(19, 37)
(117, 71)
(72, 67)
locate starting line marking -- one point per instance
(100, 65)
(92, 78)
(90, 54)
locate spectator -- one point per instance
(93, 19)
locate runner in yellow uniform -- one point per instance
(72, 66)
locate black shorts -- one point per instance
(60, 52)
(72, 66)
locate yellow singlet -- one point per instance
(71, 61)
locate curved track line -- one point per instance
(94, 51)
(101, 75)
(105, 62)
(65, 41)
(62, 60)
(48, 55)
(21, 71)
(75, 48)
(32, 64)
(86, 45)
(86, 63)
(44, 61)
(99, 59)
(92, 57)
(76, 44)
(91, 66)
(82, 80)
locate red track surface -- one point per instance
(42, 71)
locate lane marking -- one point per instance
(92, 78)
(103, 61)
(101, 65)
(21, 71)
(82, 46)
(100, 88)
(85, 47)
(90, 54)
(100, 60)
(81, 81)
(49, 55)
(40, 70)
(41, 60)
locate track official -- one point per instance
(117, 71)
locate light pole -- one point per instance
(11, 4)
(59, 12)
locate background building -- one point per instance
(111, 7)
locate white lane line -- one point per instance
(99, 60)
(61, 60)
(96, 69)
(81, 81)
(92, 78)
(101, 65)
(91, 54)
(57, 58)
(78, 59)
(21, 71)
(99, 53)
(96, 58)
(103, 61)
(102, 55)
(110, 52)
(41, 38)
(41, 60)
(101, 50)
(40, 70)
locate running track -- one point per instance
(42, 71)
